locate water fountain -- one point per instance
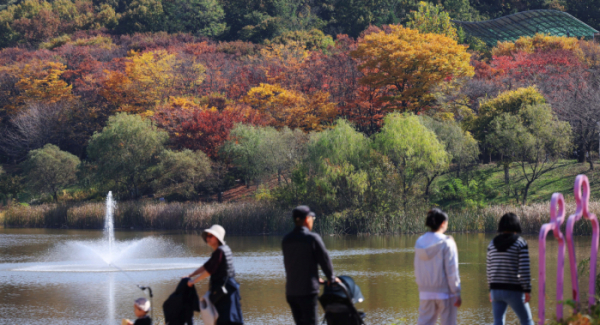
(109, 225)
(110, 255)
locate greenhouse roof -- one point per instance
(527, 23)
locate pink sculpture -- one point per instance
(557, 216)
(582, 198)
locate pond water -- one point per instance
(45, 279)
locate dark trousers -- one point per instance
(304, 309)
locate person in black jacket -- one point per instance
(303, 251)
(222, 276)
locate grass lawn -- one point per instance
(560, 179)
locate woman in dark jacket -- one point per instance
(222, 275)
(508, 272)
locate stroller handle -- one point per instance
(343, 286)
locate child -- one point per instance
(436, 270)
(141, 307)
(508, 272)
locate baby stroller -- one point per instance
(338, 302)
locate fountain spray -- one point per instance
(109, 226)
(109, 234)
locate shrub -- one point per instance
(49, 170)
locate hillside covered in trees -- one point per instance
(357, 108)
(36, 21)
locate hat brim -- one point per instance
(210, 231)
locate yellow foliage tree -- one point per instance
(408, 64)
(591, 53)
(282, 59)
(40, 81)
(150, 78)
(512, 102)
(292, 109)
(539, 42)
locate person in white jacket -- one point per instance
(436, 270)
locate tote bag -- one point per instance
(208, 311)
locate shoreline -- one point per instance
(264, 219)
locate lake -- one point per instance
(50, 276)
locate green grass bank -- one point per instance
(560, 179)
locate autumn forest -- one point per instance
(360, 109)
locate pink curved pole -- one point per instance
(582, 199)
(557, 216)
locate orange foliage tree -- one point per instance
(37, 81)
(409, 64)
(291, 108)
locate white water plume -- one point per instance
(109, 226)
(110, 255)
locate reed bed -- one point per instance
(237, 218)
(482, 220)
(534, 215)
(265, 218)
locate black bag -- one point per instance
(218, 292)
(180, 306)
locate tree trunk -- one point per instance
(506, 174)
(429, 182)
(55, 196)
(219, 196)
(525, 191)
(580, 154)
(591, 162)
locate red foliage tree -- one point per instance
(200, 128)
(39, 28)
(365, 110)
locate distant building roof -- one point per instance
(527, 23)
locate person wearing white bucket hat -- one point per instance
(224, 290)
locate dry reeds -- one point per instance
(90, 215)
(533, 216)
(265, 218)
(241, 218)
(27, 216)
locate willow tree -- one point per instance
(534, 139)
(333, 177)
(262, 152)
(460, 145)
(180, 172)
(49, 170)
(413, 149)
(125, 151)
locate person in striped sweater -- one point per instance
(508, 272)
